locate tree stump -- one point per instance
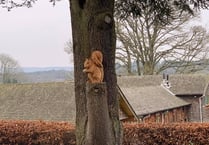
(98, 126)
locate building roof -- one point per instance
(188, 84)
(151, 99)
(139, 81)
(42, 101)
(181, 84)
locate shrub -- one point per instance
(166, 134)
(62, 133)
(36, 133)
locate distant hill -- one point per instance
(42, 69)
(46, 76)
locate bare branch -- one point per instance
(160, 47)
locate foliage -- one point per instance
(24, 3)
(125, 8)
(161, 9)
(11, 4)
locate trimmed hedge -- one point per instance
(62, 133)
(36, 133)
(166, 134)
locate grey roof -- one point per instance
(188, 84)
(139, 81)
(43, 101)
(151, 99)
(181, 84)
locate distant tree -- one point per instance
(68, 48)
(9, 69)
(155, 47)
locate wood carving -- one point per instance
(94, 68)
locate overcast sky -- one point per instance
(36, 36)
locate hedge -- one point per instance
(62, 133)
(36, 133)
(166, 134)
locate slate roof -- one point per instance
(188, 84)
(151, 99)
(43, 101)
(181, 84)
(139, 81)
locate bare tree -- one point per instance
(69, 49)
(123, 51)
(8, 69)
(155, 47)
(189, 54)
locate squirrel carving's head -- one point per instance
(87, 63)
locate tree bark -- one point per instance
(93, 29)
(148, 68)
(98, 126)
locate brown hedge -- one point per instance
(166, 134)
(62, 133)
(36, 133)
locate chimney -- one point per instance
(166, 82)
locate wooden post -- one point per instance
(98, 127)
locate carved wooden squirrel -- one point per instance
(94, 68)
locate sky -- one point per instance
(36, 36)
(205, 18)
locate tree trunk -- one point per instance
(129, 63)
(138, 66)
(148, 68)
(93, 29)
(98, 126)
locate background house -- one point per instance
(154, 104)
(150, 102)
(191, 88)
